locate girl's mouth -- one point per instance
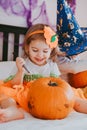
(39, 60)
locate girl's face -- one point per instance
(39, 52)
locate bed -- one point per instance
(74, 120)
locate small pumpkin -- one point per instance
(50, 98)
(78, 80)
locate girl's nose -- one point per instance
(40, 54)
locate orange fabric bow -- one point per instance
(51, 37)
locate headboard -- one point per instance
(17, 31)
(5, 30)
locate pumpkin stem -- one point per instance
(52, 83)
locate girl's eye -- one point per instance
(35, 50)
(45, 51)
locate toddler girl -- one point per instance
(40, 45)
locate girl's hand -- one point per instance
(75, 57)
(20, 62)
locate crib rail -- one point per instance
(6, 29)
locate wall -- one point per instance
(15, 12)
(81, 10)
(24, 12)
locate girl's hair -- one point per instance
(36, 36)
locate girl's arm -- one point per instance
(18, 79)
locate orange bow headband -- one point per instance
(50, 36)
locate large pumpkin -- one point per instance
(78, 80)
(50, 98)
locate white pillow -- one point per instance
(7, 68)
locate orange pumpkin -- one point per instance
(78, 80)
(50, 98)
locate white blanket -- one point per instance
(74, 121)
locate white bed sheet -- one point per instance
(74, 121)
